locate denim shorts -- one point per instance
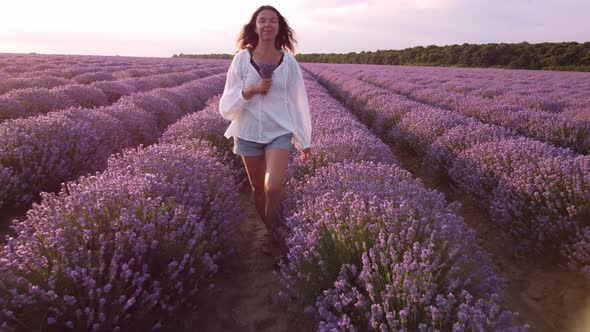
(247, 148)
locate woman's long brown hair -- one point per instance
(284, 39)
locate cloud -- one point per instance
(311, 4)
(373, 25)
(322, 4)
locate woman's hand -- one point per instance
(261, 87)
(305, 154)
(264, 85)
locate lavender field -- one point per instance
(127, 196)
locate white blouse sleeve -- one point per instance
(232, 101)
(298, 99)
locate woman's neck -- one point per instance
(266, 47)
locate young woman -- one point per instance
(268, 109)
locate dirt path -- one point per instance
(246, 287)
(547, 297)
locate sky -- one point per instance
(163, 28)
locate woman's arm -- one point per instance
(232, 101)
(299, 102)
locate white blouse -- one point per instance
(284, 109)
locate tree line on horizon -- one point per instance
(548, 56)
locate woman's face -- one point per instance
(267, 25)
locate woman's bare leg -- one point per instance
(255, 168)
(276, 164)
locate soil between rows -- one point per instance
(245, 297)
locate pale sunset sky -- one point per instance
(163, 28)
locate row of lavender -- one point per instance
(565, 93)
(370, 248)
(51, 78)
(536, 192)
(69, 66)
(100, 91)
(569, 129)
(38, 154)
(126, 249)
(74, 69)
(564, 131)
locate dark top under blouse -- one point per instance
(258, 67)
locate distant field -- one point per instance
(436, 198)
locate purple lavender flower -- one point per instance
(266, 69)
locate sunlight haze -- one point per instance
(154, 28)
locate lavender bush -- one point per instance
(39, 100)
(441, 154)
(10, 109)
(545, 205)
(421, 127)
(480, 169)
(164, 111)
(122, 250)
(177, 98)
(114, 89)
(82, 95)
(97, 76)
(205, 124)
(37, 81)
(379, 251)
(44, 151)
(199, 91)
(140, 125)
